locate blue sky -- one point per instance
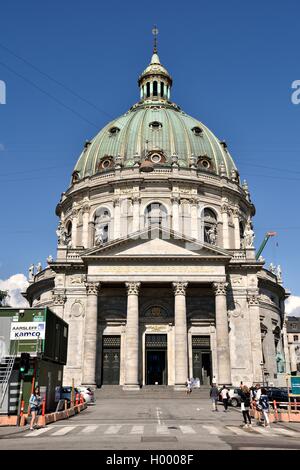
(232, 62)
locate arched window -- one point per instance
(156, 213)
(210, 226)
(162, 89)
(148, 89)
(242, 230)
(102, 222)
(69, 233)
(155, 88)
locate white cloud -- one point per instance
(292, 306)
(15, 285)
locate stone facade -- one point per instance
(155, 270)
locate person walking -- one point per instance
(265, 407)
(188, 386)
(225, 397)
(214, 396)
(245, 405)
(34, 404)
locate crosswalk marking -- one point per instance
(114, 429)
(238, 431)
(89, 429)
(137, 430)
(63, 431)
(213, 430)
(264, 431)
(187, 430)
(286, 432)
(161, 429)
(38, 432)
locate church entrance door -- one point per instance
(202, 368)
(156, 359)
(111, 360)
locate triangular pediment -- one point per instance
(156, 242)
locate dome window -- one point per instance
(155, 125)
(105, 163)
(204, 163)
(224, 144)
(197, 130)
(114, 130)
(155, 158)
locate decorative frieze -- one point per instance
(59, 299)
(180, 288)
(133, 288)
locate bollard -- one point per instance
(275, 410)
(43, 407)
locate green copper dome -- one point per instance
(155, 126)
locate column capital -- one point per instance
(133, 288)
(135, 198)
(175, 198)
(85, 208)
(253, 298)
(180, 288)
(220, 288)
(92, 288)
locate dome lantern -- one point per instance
(155, 82)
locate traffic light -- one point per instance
(24, 363)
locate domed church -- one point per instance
(156, 272)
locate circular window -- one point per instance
(155, 158)
(105, 163)
(205, 163)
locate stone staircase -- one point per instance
(149, 392)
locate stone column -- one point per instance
(194, 217)
(85, 225)
(181, 352)
(286, 348)
(225, 209)
(175, 213)
(255, 335)
(74, 227)
(132, 337)
(236, 222)
(135, 213)
(90, 335)
(222, 334)
(117, 214)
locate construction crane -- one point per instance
(265, 240)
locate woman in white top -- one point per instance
(225, 397)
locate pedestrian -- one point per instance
(245, 405)
(257, 392)
(188, 386)
(34, 404)
(214, 396)
(225, 397)
(264, 406)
